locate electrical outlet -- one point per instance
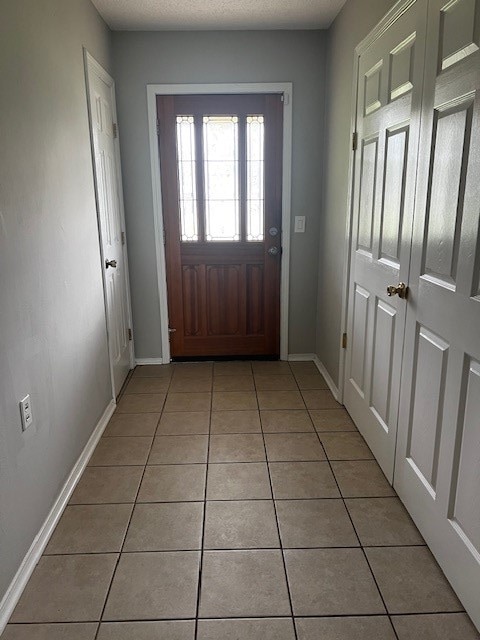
(299, 224)
(26, 413)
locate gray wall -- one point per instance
(53, 338)
(354, 22)
(209, 57)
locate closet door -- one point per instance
(437, 472)
(388, 120)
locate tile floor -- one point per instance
(229, 501)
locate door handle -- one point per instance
(400, 290)
(274, 251)
(110, 263)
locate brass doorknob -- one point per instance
(400, 290)
(110, 263)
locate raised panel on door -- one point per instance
(389, 93)
(436, 470)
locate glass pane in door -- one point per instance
(255, 178)
(187, 165)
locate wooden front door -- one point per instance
(221, 166)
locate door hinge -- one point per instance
(115, 130)
(129, 333)
(164, 236)
(158, 128)
(354, 141)
(344, 341)
(122, 236)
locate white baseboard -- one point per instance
(333, 387)
(14, 591)
(141, 361)
(301, 357)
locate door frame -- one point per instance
(284, 88)
(94, 68)
(388, 19)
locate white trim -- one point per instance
(251, 87)
(29, 562)
(333, 387)
(301, 357)
(142, 361)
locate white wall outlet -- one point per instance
(26, 413)
(299, 224)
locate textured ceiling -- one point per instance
(152, 15)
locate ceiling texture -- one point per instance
(201, 15)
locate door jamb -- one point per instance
(284, 88)
(390, 17)
(92, 67)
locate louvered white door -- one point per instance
(388, 114)
(437, 472)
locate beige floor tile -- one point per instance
(154, 585)
(234, 368)
(280, 400)
(285, 421)
(72, 631)
(439, 626)
(141, 403)
(165, 527)
(184, 423)
(179, 449)
(147, 385)
(320, 399)
(234, 401)
(311, 381)
(315, 523)
(154, 371)
(107, 485)
(193, 370)
(275, 382)
(382, 521)
(251, 629)
(66, 588)
(238, 481)
(325, 582)
(237, 447)
(345, 446)
(188, 402)
(132, 424)
(303, 368)
(332, 420)
(162, 630)
(233, 383)
(173, 483)
(93, 528)
(235, 422)
(411, 581)
(349, 628)
(361, 479)
(268, 368)
(190, 385)
(292, 480)
(243, 584)
(242, 524)
(283, 447)
(121, 451)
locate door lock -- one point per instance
(110, 263)
(400, 290)
(274, 251)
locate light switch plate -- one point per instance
(299, 224)
(26, 413)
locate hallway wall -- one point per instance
(53, 337)
(354, 22)
(213, 57)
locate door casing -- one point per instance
(153, 90)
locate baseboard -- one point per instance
(14, 591)
(332, 386)
(141, 361)
(300, 357)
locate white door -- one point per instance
(437, 472)
(111, 223)
(389, 95)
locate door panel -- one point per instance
(437, 473)
(388, 122)
(221, 161)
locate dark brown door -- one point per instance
(221, 166)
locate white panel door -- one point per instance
(388, 107)
(437, 471)
(110, 213)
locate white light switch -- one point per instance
(299, 224)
